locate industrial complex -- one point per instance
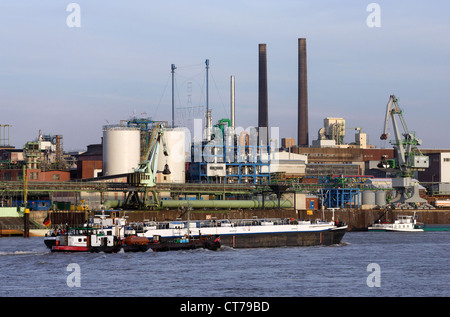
(151, 168)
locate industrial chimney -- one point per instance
(302, 126)
(232, 101)
(263, 111)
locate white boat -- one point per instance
(251, 233)
(99, 236)
(402, 224)
(380, 226)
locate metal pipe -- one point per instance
(232, 102)
(226, 204)
(207, 96)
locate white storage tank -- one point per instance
(121, 149)
(176, 144)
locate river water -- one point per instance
(365, 264)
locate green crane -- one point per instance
(408, 160)
(143, 180)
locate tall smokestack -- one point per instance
(303, 137)
(263, 110)
(232, 117)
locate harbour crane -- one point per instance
(143, 179)
(408, 160)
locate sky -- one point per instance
(117, 64)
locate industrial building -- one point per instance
(439, 170)
(327, 173)
(43, 158)
(90, 163)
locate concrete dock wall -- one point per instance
(357, 219)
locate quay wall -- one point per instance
(356, 219)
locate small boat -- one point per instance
(380, 226)
(211, 242)
(402, 224)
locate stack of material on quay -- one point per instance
(10, 222)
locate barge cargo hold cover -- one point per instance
(253, 233)
(282, 239)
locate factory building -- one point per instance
(224, 154)
(437, 176)
(43, 159)
(347, 156)
(229, 158)
(439, 170)
(333, 133)
(90, 163)
(287, 143)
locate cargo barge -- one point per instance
(252, 233)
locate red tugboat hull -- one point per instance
(141, 244)
(68, 248)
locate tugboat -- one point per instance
(402, 224)
(96, 240)
(114, 238)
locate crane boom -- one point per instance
(409, 156)
(143, 179)
(408, 159)
(146, 171)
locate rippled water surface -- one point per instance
(410, 264)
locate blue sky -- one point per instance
(72, 81)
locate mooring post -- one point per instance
(26, 223)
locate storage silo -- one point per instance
(176, 161)
(380, 198)
(368, 198)
(121, 149)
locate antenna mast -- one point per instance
(173, 104)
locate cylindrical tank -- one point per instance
(380, 198)
(121, 149)
(176, 161)
(368, 197)
(229, 143)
